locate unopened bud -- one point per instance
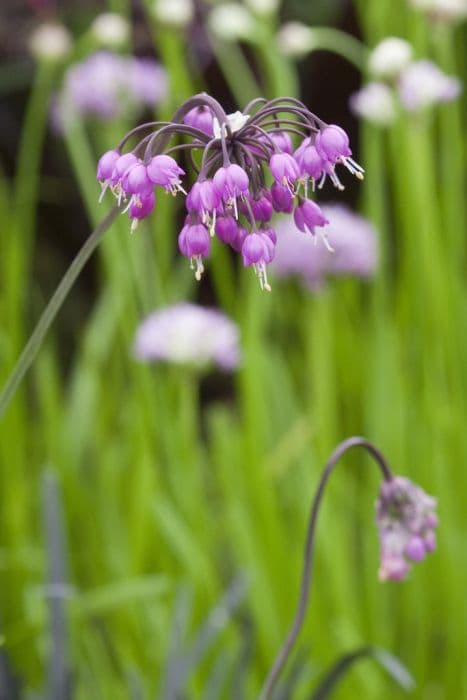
(390, 57)
(231, 22)
(110, 30)
(50, 42)
(174, 13)
(295, 39)
(375, 102)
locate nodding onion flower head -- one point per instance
(406, 521)
(233, 160)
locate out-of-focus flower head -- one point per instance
(375, 102)
(390, 57)
(406, 521)
(107, 85)
(410, 85)
(442, 10)
(110, 30)
(50, 42)
(188, 334)
(174, 13)
(350, 236)
(231, 22)
(423, 84)
(295, 39)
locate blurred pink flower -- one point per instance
(423, 84)
(406, 520)
(189, 334)
(107, 85)
(352, 238)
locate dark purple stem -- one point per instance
(137, 129)
(305, 587)
(159, 139)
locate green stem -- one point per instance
(30, 149)
(35, 341)
(341, 43)
(284, 652)
(280, 74)
(236, 71)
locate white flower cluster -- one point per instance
(401, 83)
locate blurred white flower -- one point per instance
(231, 22)
(375, 102)
(351, 236)
(110, 30)
(50, 42)
(263, 7)
(174, 13)
(423, 84)
(191, 335)
(390, 57)
(446, 10)
(295, 39)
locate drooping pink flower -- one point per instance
(406, 521)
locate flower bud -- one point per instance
(231, 22)
(110, 30)
(390, 57)
(295, 39)
(374, 102)
(50, 42)
(174, 13)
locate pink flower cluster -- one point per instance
(246, 169)
(406, 521)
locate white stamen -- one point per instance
(104, 186)
(212, 224)
(353, 167)
(199, 268)
(325, 240)
(133, 200)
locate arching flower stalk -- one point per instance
(245, 167)
(406, 521)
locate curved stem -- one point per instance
(286, 648)
(35, 341)
(341, 43)
(159, 139)
(254, 103)
(136, 130)
(207, 148)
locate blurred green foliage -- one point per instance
(162, 490)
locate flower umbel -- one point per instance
(406, 520)
(188, 334)
(245, 166)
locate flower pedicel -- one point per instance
(245, 169)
